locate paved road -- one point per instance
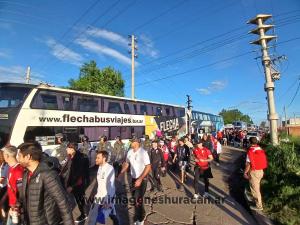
(166, 208)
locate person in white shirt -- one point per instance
(105, 192)
(140, 167)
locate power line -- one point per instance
(23, 15)
(184, 25)
(295, 94)
(194, 69)
(91, 7)
(158, 16)
(197, 52)
(23, 23)
(205, 49)
(82, 32)
(207, 65)
(288, 89)
(23, 5)
(119, 13)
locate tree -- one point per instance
(92, 79)
(233, 115)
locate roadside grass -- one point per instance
(281, 185)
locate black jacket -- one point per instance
(76, 175)
(43, 198)
(183, 153)
(156, 158)
(208, 144)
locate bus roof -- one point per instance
(49, 87)
(17, 85)
(194, 111)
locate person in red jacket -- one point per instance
(166, 154)
(14, 180)
(256, 162)
(203, 157)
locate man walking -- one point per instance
(158, 163)
(256, 162)
(140, 167)
(104, 199)
(76, 177)
(203, 157)
(43, 197)
(117, 155)
(14, 181)
(183, 156)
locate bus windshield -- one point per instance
(11, 99)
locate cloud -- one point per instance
(4, 54)
(148, 47)
(146, 44)
(218, 85)
(204, 91)
(17, 74)
(109, 36)
(63, 53)
(104, 50)
(214, 86)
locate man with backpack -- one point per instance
(256, 162)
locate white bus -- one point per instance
(42, 112)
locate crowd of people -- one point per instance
(39, 188)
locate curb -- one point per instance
(259, 216)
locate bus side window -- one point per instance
(168, 111)
(149, 109)
(126, 108)
(181, 112)
(67, 102)
(143, 110)
(49, 101)
(114, 107)
(158, 111)
(86, 104)
(135, 109)
(114, 132)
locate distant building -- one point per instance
(293, 126)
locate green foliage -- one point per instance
(281, 184)
(233, 115)
(92, 79)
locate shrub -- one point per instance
(281, 186)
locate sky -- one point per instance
(194, 47)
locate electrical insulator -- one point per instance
(275, 76)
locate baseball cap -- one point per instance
(59, 135)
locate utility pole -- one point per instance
(133, 45)
(266, 61)
(189, 114)
(285, 123)
(28, 75)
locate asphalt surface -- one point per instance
(175, 205)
